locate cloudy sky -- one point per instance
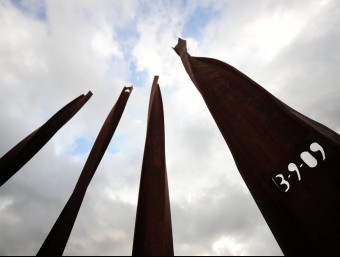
(53, 51)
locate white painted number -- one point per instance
(308, 159)
(315, 147)
(283, 181)
(293, 168)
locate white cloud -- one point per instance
(102, 43)
(5, 203)
(228, 246)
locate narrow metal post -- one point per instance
(56, 241)
(19, 155)
(153, 230)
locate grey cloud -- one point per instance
(234, 215)
(310, 69)
(37, 194)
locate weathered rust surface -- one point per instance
(19, 155)
(56, 241)
(153, 230)
(290, 163)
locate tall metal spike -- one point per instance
(19, 155)
(153, 230)
(290, 163)
(56, 241)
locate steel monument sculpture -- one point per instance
(56, 241)
(19, 155)
(153, 230)
(290, 163)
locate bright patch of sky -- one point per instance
(228, 246)
(127, 36)
(137, 78)
(36, 8)
(117, 144)
(82, 146)
(198, 20)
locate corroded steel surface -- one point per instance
(153, 231)
(19, 155)
(290, 163)
(56, 241)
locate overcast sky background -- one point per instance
(53, 51)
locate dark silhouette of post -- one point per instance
(19, 155)
(290, 163)
(153, 231)
(56, 241)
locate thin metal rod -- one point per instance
(19, 155)
(56, 241)
(153, 230)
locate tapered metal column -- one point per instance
(19, 155)
(153, 231)
(56, 241)
(290, 163)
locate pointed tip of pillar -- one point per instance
(181, 47)
(155, 82)
(127, 89)
(155, 79)
(155, 87)
(87, 96)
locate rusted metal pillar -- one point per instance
(56, 241)
(153, 230)
(19, 155)
(290, 163)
